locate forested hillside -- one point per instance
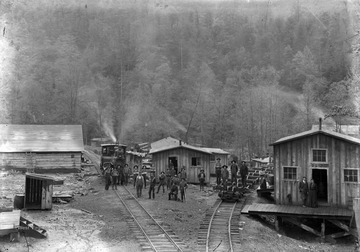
(230, 74)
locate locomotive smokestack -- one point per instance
(320, 123)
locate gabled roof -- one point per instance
(41, 138)
(189, 147)
(314, 132)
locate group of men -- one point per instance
(222, 172)
(174, 182)
(115, 176)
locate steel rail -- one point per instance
(166, 234)
(229, 227)
(134, 218)
(209, 228)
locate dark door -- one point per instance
(173, 162)
(320, 178)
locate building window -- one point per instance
(212, 158)
(319, 155)
(72, 155)
(290, 173)
(351, 175)
(195, 161)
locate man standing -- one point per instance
(218, 171)
(304, 189)
(139, 185)
(152, 185)
(243, 172)
(224, 174)
(234, 169)
(201, 177)
(115, 175)
(183, 174)
(121, 175)
(182, 186)
(135, 173)
(126, 174)
(162, 178)
(168, 179)
(143, 173)
(107, 173)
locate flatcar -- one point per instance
(112, 154)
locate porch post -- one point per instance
(356, 207)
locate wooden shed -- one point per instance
(193, 158)
(332, 159)
(41, 148)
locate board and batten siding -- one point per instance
(41, 161)
(298, 153)
(160, 162)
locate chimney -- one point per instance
(180, 142)
(320, 123)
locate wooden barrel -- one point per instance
(19, 201)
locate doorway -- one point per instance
(320, 178)
(173, 163)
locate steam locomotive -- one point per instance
(112, 155)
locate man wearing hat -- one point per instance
(234, 169)
(135, 173)
(218, 171)
(162, 178)
(201, 177)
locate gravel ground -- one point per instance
(96, 221)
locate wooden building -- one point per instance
(193, 158)
(41, 148)
(332, 159)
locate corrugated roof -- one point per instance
(314, 132)
(41, 138)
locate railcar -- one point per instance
(112, 154)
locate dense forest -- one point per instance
(229, 74)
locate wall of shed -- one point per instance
(160, 163)
(42, 162)
(341, 154)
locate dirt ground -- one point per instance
(96, 221)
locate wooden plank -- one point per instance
(301, 225)
(9, 220)
(338, 235)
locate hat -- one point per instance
(218, 158)
(233, 161)
(136, 166)
(162, 172)
(202, 170)
(243, 161)
(224, 166)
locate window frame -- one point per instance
(319, 162)
(357, 175)
(296, 172)
(198, 161)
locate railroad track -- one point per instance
(152, 234)
(156, 237)
(220, 229)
